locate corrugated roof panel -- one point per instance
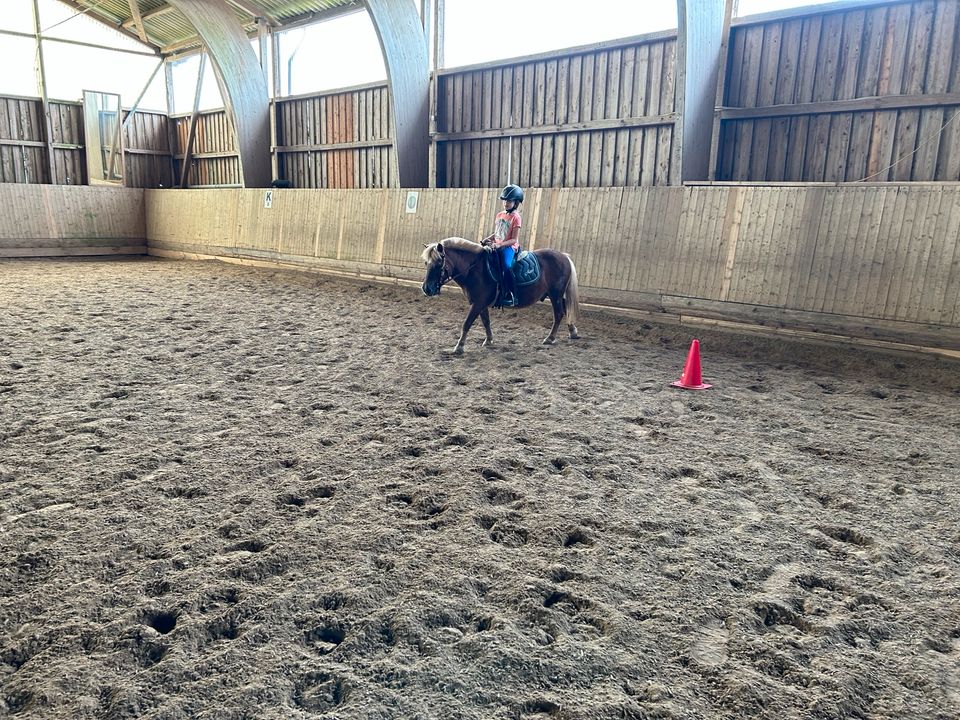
(171, 29)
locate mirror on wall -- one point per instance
(102, 131)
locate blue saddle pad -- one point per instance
(526, 268)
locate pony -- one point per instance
(466, 263)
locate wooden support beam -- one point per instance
(241, 83)
(150, 14)
(117, 26)
(80, 43)
(609, 124)
(136, 103)
(42, 80)
(137, 20)
(721, 88)
(254, 11)
(864, 104)
(207, 155)
(333, 146)
(191, 133)
(404, 49)
(699, 65)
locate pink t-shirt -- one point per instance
(506, 226)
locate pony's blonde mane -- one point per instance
(452, 243)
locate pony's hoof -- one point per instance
(574, 335)
(458, 350)
(487, 343)
(550, 341)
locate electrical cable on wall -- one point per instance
(936, 134)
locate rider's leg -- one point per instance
(509, 291)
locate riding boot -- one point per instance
(509, 295)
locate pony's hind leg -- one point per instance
(485, 319)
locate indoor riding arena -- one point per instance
(246, 474)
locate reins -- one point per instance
(455, 276)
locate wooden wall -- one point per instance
(214, 160)
(58, 220)
(844, 95)
(148, 162)
(337, 140)
(23, 153)
(597, 117)
(779, 256)
(834, 93)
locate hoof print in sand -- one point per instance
(772, 614)
(499, 495)
(532, 709)
(253, 545)
(846, 535)
(577, 538)
(509, 535)
(324, 638)
(319, 692)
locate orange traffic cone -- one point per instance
(690, 379)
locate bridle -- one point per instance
(446, 274)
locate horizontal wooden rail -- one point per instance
(332, 146)
(206, 155)
(864, 104)
(143, 151)
(610, 124)
(23, 143)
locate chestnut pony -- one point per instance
(465, 263)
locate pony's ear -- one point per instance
(439, 248)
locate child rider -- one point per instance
(506, 239)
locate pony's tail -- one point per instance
(572, 296)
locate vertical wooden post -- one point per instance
(171, 123)
(262, 38)
(428, 15)
(439, 17)
(275, 106)
(721, 87)
(42, 80)
(188, 150)
(275, 47)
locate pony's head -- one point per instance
(442, 266)
(434, 259)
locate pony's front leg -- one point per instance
(485, 319)
(467, 324)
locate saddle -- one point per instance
(526, 271)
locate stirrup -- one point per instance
(508, 300)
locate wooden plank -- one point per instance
(949, 299)
(748, 95)
(935, 272)
(838, 146)
(865, 256)
(918, 252)
(613, 123)
(846, 326)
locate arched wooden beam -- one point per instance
(700, 60)
(241, 81)
(404, 48)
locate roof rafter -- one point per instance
(137, 20)
(150, 14)
(113, 23)
(254, 10)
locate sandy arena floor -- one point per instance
(238, 493)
